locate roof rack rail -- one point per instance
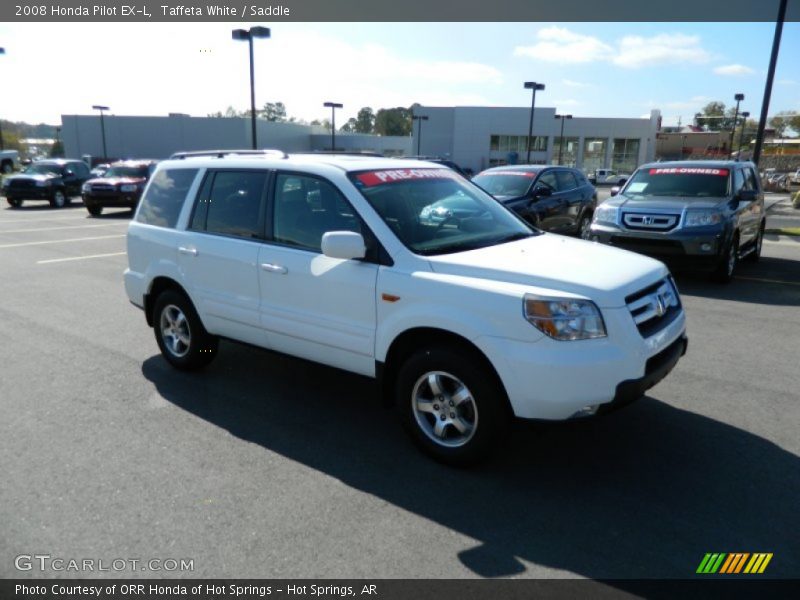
(224, 153)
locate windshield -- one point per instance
(686, 182)
(505, 183)
(43, 169)
(126, 172)
(434, 211)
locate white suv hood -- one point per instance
(601, 273)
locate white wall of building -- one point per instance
(463, 134)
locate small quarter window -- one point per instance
(162, 203)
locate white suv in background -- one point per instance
(467, 320)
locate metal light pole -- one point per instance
(102, 128)
(532, 85)
(745, 114)
(333, 106)
(2, 147)
(419, 119)
(773, 60)
(738, 98)
(248, 35)
(683, 147)
(561, 138)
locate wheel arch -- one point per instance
(157, 286)
(410, 340)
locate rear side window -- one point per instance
(235, 203)
(162, 203)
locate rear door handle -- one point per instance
(189, 251)
(270, 268)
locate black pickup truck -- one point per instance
(53, 180)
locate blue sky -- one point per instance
(591, 70)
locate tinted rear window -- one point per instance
(164, 197)
(505, 183)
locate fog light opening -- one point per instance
(706, 247)
(586, 411)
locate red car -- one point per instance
(122, 185)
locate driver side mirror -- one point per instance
(615, 190)
(541, 192)
(346, 245)
(747, 195)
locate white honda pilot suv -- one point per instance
(405, 272)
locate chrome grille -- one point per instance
(654, 307)
(654, 222)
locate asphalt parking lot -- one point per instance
(267, 466)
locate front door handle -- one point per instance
(189, 251)
(270, 268)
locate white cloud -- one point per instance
(694, 103)
(575, 84)
(666, 48)
(733, 70)
(560, 45)
(786, 82)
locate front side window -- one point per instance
(683, 182)
(434, 211)
(566, 181)
(306, 208)
(548, 180)
(164, 198)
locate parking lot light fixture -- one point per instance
(102, 109)
(745, 114)
(248, 35)
(561, 137)
(333, 106)
(419, 119)
(532, 85)
(738, 98)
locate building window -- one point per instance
(517, 143)
(569, 155)
(626, 155)
(594, 154)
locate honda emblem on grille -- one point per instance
(647, 220)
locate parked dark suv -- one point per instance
(696, 214)
(557, 199)
(121, 185)
(53, 180)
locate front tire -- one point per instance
(180, 334)
(59, 199)
(94, 210)
(755, 255)
(729, 261)
(451, 404)
(585, 227)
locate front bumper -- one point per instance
(112, 199)
(555, 380)
(700, 247)
(33, 193)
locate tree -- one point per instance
(274, 111)
(785, 120)
(57, 149)
(349, 127)
(364, 121)
(393, 121)
(714, 116)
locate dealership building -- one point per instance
(472, 136)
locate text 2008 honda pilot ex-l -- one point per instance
(467, 321)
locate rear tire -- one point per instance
(585, 227)
(14, 202)
(451, 404)
(180, 334)
(755, 255)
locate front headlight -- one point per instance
(128, 187)
(564, 318)
(702, 218)
(606, 214)
(85, 188)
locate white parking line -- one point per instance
(58, 260)
(100, 237)
(38, 219)
(60, 228)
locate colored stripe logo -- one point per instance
(734, 563)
